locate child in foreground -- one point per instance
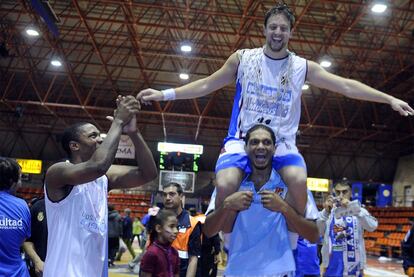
(160, 259)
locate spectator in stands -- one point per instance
(14, 221)
(36, 245)
(77, 191)
(188, 241)
(114, 233)
(407, 252)
(342, 223)
(137, 230)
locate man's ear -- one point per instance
(73, 146)
(291, 33)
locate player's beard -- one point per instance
(276, 47)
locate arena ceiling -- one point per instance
(120, 47)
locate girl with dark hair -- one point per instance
(160, 259)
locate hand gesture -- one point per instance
(239, 201)
(149, 94)
(272, 201)
(127, 107)
(402, 107)
(39, 268)
(329, 203)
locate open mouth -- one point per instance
(260, 157)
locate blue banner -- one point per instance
(357, 191)
(384, 196)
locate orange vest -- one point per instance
(181, 242)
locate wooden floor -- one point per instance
(383, 267)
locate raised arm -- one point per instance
(222, 77)
(62, 174)
(132, 176)
(353, 89)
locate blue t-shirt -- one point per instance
(14, 230)
(306, 258)
(259, 244)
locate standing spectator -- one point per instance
(407, 252)
(342, 223)
(137, 230)
(14, 221)
(127, 232)
(36, 245)
(188, 241)
(134, 264)
(160, 258)
(114, 233)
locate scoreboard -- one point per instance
(182, 157)
(179, 161)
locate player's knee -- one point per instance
(297, 181)
(226, 186)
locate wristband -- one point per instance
(168, 94)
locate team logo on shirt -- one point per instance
(40, 216)
(92, 223)
(10, 224)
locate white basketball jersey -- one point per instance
(77, 231)
(268, 91)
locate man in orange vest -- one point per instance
(188, 241)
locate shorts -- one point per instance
(233, 155)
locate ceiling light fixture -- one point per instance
(305, 86)
(56, 63)
(325, 63)
(379, 8)
(186, 48)
(184, 76)
(32, 32)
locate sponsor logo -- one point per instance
(9, 223)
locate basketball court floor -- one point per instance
(383, 267)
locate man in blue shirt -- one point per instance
(14, 221)
(259, 241)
